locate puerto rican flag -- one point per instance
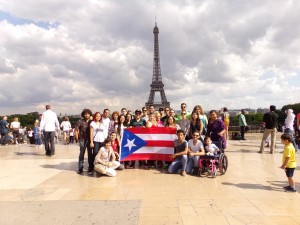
(156, 143)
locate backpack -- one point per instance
(236, 136)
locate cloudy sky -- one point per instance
(99, 53)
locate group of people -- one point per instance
(12, 133)
(99, 135)
(270, 123)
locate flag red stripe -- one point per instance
(137, 156)
(160, 143)
(153, 130)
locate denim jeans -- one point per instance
(92, 152)
(192, 161)
(83, 145)
(3, 138)
(179, 162)
(49, 142)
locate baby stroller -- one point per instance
(210, 165)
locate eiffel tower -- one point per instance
(157, 84)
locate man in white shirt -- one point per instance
(106, 121)
(48, 124)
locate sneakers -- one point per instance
(287, 187)
(90, 172)
(290, 189)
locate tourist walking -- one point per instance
(15, 126)
(66, 127)
(48, 124)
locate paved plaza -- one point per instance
(35, 189)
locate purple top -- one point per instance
(213, 128)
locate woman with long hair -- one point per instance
(151, 121)
(113, 122)
(195, 125)
(202, 116)
(158, 120)
(97, 136)
(171, 123)
(128, 119)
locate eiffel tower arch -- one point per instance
(157, 85)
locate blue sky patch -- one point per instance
(20, 21)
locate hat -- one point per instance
(138, 111)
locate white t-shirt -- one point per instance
(195, 148)
(105, 122)
(15, 125)
(211, 149)
(66, 125)
(98, 132)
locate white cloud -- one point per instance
(100, 54)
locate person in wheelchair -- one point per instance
(210, 159)
(210, 148)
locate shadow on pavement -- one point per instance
(253, 186)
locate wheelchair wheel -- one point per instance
(223, 164)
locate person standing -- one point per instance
(164, 119)
(48, 124)
(66, 127)
(226, 119)
(98, 133)
(82, 135)
(15, 126)
(137, 122)
(106, 121)
(242, 124)
(270, 121)
(289, 161)
(144, 115)
(4, 130)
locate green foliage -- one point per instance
(253, 119)
(294, 107)
(26, 120)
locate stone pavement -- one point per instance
(35, 189)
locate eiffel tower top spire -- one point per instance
(157, 84)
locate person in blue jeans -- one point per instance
(180, 154)
(82, 135)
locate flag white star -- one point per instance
(130, 144)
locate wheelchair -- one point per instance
(213, 164)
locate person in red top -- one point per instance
(115, 144)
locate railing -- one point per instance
(252, 128)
